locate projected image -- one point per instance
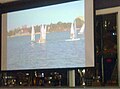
(46, 37)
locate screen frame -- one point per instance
(29, 4)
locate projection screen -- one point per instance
(48, 37)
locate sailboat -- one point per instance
(82, 29)
(73, 33)
(42, 34)
(33, 34)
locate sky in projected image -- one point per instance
(34, 43)
(45, 15)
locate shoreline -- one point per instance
(28, 34)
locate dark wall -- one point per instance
(26, 4)
(101, 4)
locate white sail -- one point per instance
(75, 30)
(42, 34)
(82, 29)
(33, 34)
(72, 31)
